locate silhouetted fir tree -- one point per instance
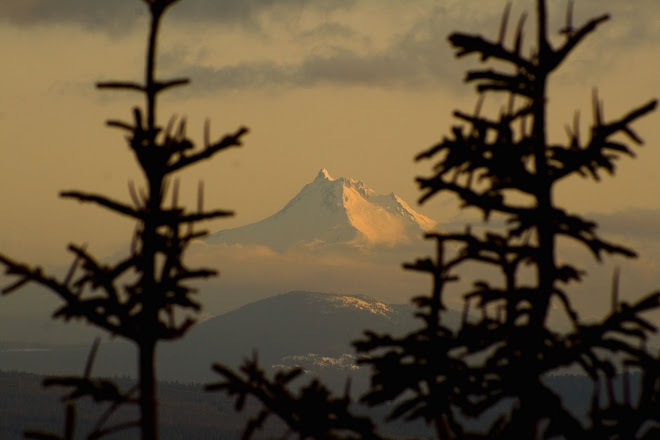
(145, 297)
(496, 360)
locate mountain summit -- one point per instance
(333, 212)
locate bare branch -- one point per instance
(560, 54)
(103, 201)
(121, 85)
(505, 19)
(159, 86)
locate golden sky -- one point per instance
(355, 86)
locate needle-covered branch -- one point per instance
(490, 80)
(230, 140)
(600, 152)
(144, 297)
(503, 348)
(100, 390)
(75, 305)
(313, 413)
(468, 44)
(486, 201)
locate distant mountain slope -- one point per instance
(308, 329)
(282, 327)
(329, 212)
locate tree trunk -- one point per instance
(148, 402)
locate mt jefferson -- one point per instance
(332, 212)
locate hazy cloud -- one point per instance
(344, 68)
(638, 224)
(247, 11)
(639, 16)
(113, 16)
(331, 30)
(419, 53)
(252, 272)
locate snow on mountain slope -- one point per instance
(331, 211)
(332, 303)
(362, 303)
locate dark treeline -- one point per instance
(188, 412)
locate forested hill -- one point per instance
(187, 411)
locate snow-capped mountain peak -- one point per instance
(324, 175)
(333, 211)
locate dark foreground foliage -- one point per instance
(145, 297)
(495, 367)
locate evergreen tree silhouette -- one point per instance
(145, 297)
(498, 358)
